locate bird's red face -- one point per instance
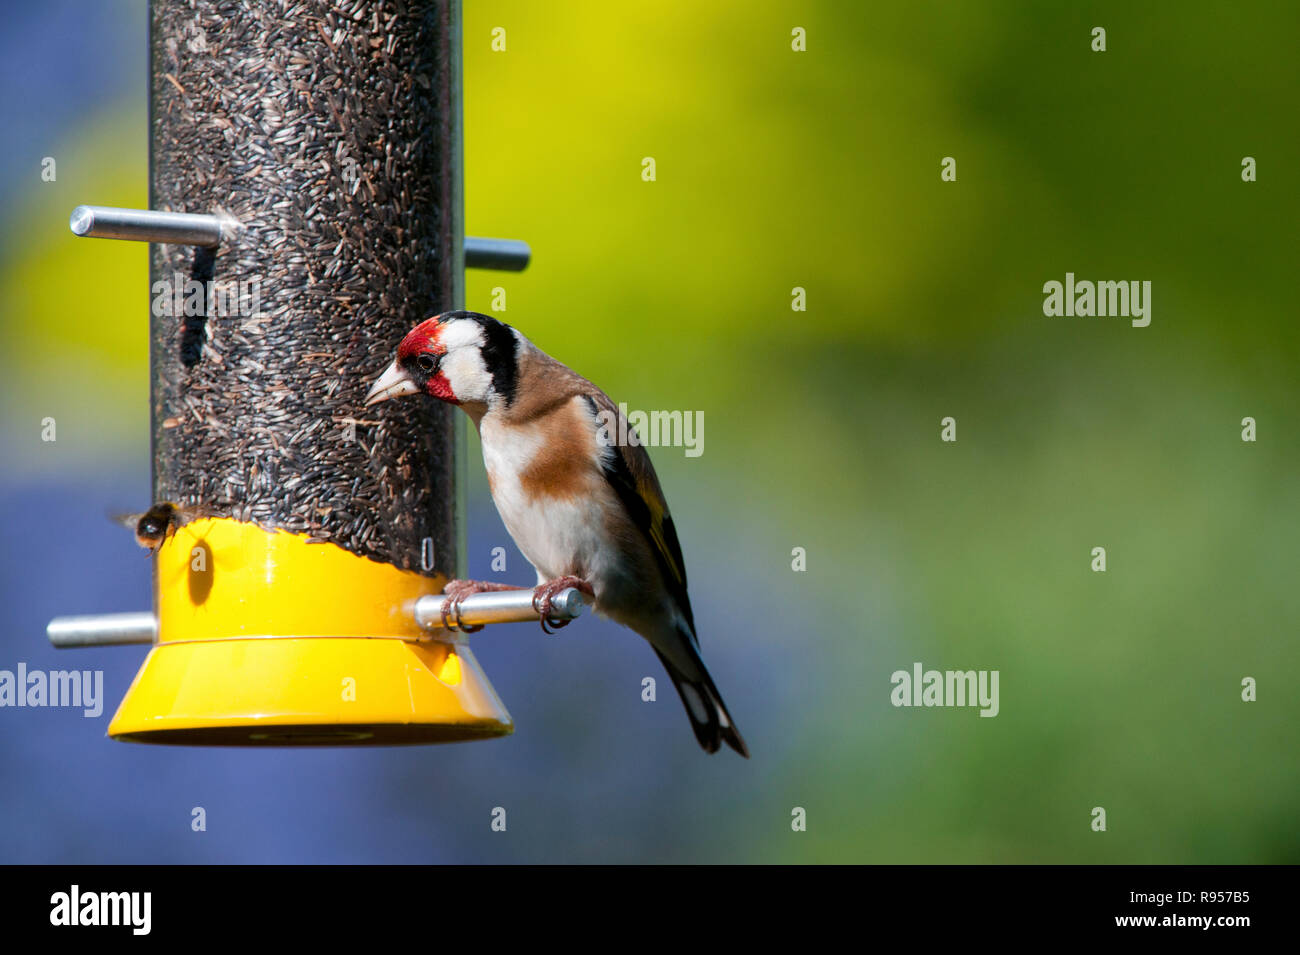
(417, 368)
(463, 358)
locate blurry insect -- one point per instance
(154, 526)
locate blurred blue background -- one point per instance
(775, 169)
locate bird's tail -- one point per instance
(709, 717)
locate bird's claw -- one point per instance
(546, 592)
(551, 624)
(451, 616)
(456, 591)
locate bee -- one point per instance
(154, 526)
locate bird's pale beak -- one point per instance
(393, 383)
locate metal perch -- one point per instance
(188, 228)
(476, 610)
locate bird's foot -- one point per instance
(545, 593)
(458, 590)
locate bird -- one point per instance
(584, 508)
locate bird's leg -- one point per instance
(458, 590)
(543, 594)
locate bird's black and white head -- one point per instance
(462, 358)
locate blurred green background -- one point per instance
(821, 169)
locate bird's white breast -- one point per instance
(560, 533)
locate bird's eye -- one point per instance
(427, 362)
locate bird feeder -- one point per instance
(305, 212)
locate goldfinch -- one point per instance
(584, 510)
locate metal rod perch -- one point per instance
(187, 228)
(145, 225)
(476, 610)
(102, 630)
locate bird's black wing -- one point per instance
(633, 477)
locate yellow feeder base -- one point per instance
(308, 691)
(265, 639)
